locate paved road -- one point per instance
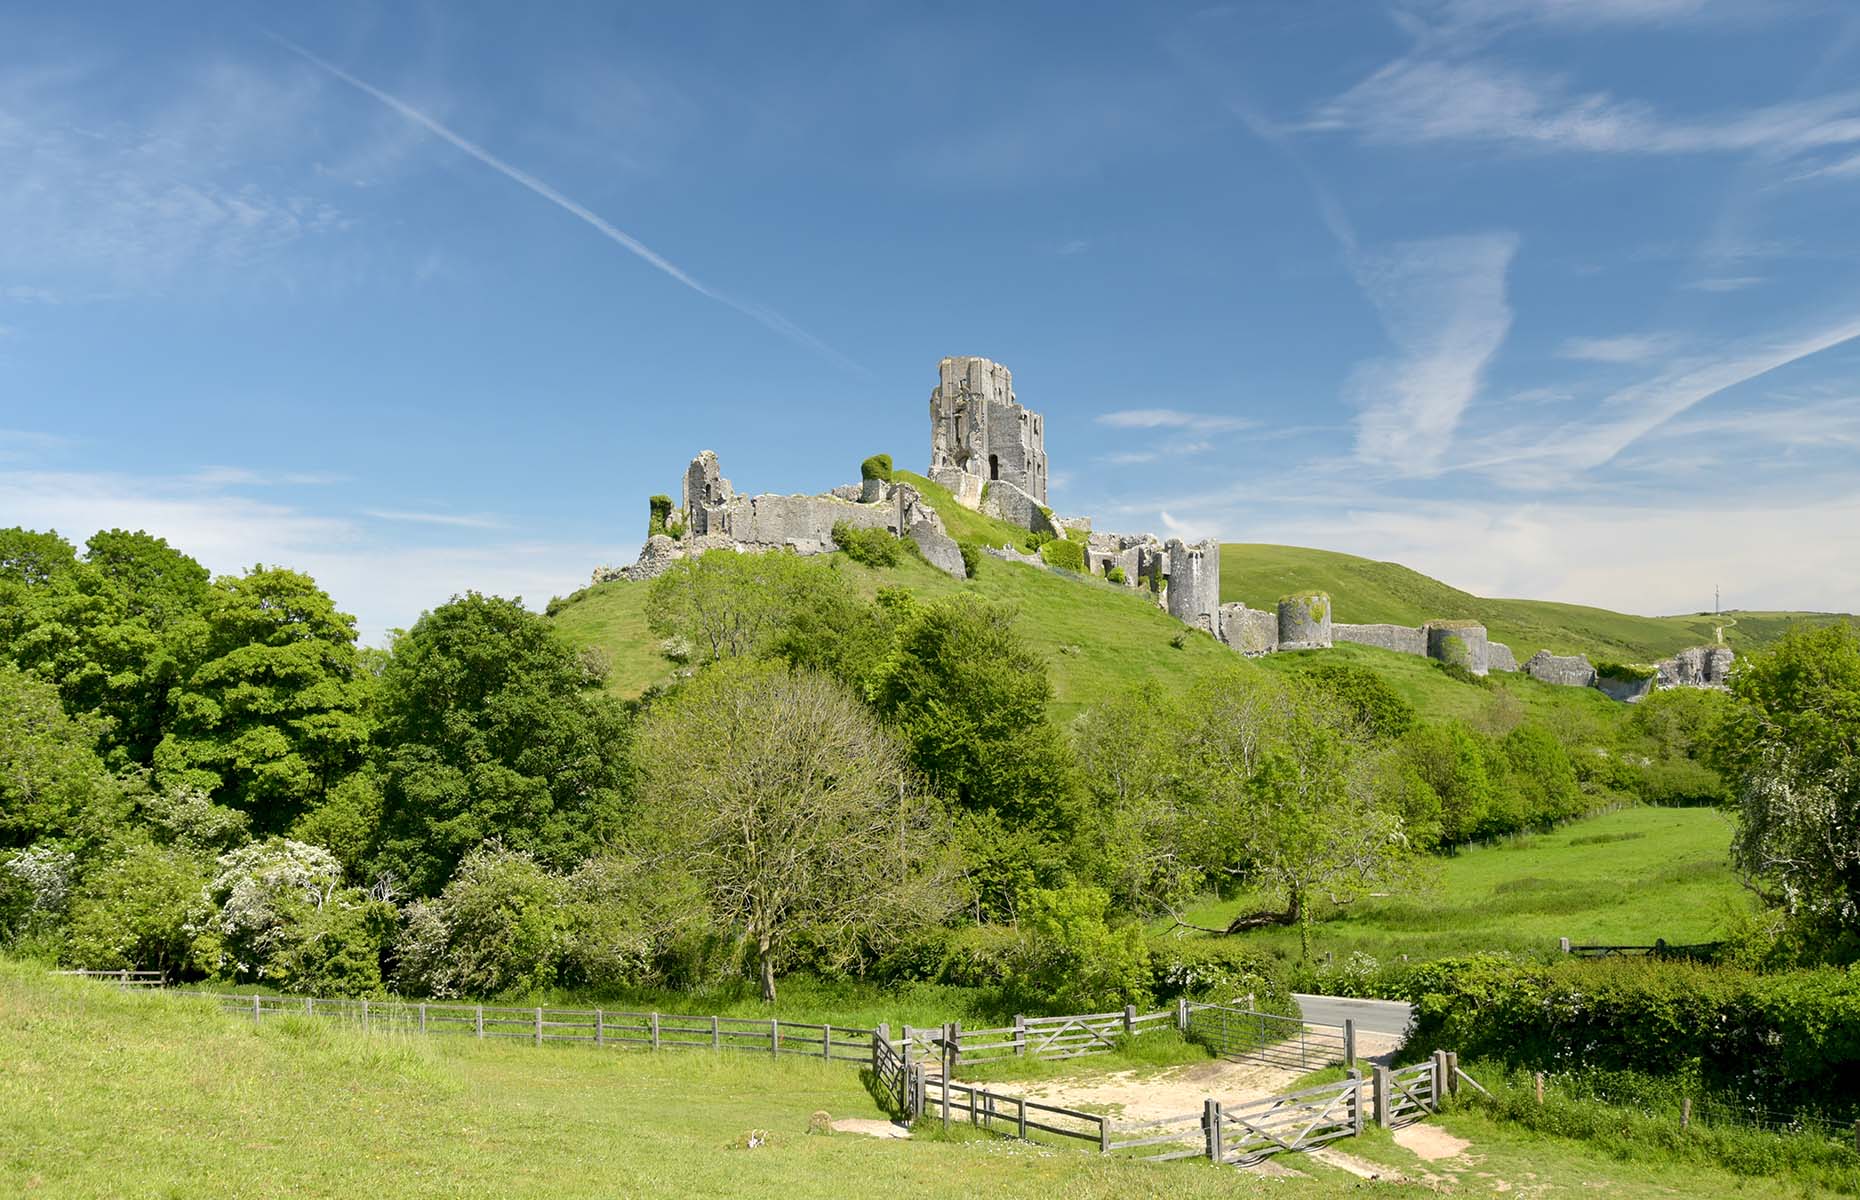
(1371, 1016)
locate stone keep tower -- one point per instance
(980, 434)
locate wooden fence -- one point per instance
(589, 1026)
(1039, 1038)
(1661, 948)
(1270, 1037)
(149, 979)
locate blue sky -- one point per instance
(1552, 298)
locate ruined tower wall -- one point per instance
(979, 432)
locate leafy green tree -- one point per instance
(499, 926)
(1365, 696)
(271, 715)
(1451, 760)
(1791, 745)
(731, 605)
(52, 784)
(793, 810)
(138, 911)
(1072, 958)
(158, 584)
(491, 726)
(1139, 840)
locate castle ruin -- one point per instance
(989, 452)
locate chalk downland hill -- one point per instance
(1101, 639)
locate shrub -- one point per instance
(1463, 673)
(1679, 782)
(1367, 696)
(1115, 575)
(1064, 553)
(138, 911)
(876, 467)
(1217, 970)
(661, 507)
(1071, 959)
(971, 558)
(1625, 672)
(872, 547)
(497, 927)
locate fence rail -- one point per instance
(152, 979)
(1039, 1038)
(1270, 1037)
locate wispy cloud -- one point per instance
(1075, 246)
(1444, 306)
(1623, 348)
(451, 520)
(1420, 99)
(1725, 283)
(1170, 418)
(766, 317)
(222, 476)
(19, 445)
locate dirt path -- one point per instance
(1175, 1091)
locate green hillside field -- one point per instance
(110, 1093)
(1365, 592)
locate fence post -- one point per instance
(1181, 1016)
(1130, 1019)
(1349, 1042)
(364, 1014)
(1356, 1102)
(1020, 1034)
(422, 1016)
(1379, 1087)
(1440, 1077)
(310, 1005)
(1104, 1134)
(1020, 1120)
(774, 1037)
(826, 1041)
(716, 1034)
(1453, 1074)
(1537, 1083)
(539, 1024)
(1685, 1115)
(947, 1071)
(481, 1020)
(655, 1031)
(254, 1008)
(600, 1027)
(954, 1034)
(1563, 945)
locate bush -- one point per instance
(1625, 672)
(876, 467)
(661, 515)
(1679, 782)
(872, 547)
(971, 558)
(1115, 575)
(975, 956)
(1072, 960)
(1367, 696)
(497, 927)
(1063, 553)
(138, 911)
(1216, 970)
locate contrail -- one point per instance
(627, 241)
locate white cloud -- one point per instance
(452, 520)
(1169, 418)
(1424, 99)
(1624, 348)
(1732, 283)
(1443, 304)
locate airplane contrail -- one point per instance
(765, 317)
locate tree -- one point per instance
(1140, 837)
(794, 811)
(732, 605)
(1792, 747)
(491, 726)
(138, 911)
(497, 927)
(52, 784)
(270, 716)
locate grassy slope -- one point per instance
(112, 1093)
(1368, 592)
(1624, 878)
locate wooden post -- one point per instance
(974, 1117)
(1440, 1078)
(422, 1016)
(1349, 1042)
(481, 1020)
(1104, 1134)
(1181, 1016)
(1130, 1019)
(539, 1024)
(600, 1027)
(1563, 945)
(255, 1009)
(364, 1014)
(1020, 1120)
(1685, 1113)
(1356, 1102)
(655, 1031)
(309, 1006)
(954, 1034)
(1379, 1084)
(1453, 1074)
(1020, 1034)
(1211, 1128)
(826, 1041)
(716, 1034)
(774, 1036)
(1538, 1080)
(946, 1075)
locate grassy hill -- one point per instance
(1365, 592)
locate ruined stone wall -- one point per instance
(1698, 666)
(1462, 642)
(1500, 658)
(1249, 630)
(1564, 670)
(1194, 595)
(1006, 502)
(979, 430)
(1304, 621)
(1625, 690)
(1403, 639)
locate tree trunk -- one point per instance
(768, 968)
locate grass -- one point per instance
(1622, 878)
(1366, 592)
(108, 1093)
